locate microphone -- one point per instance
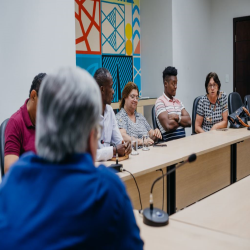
(155, 217)
(117, 166)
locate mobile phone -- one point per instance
(160, 145)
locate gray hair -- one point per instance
(69, 107)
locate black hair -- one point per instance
(169, 71)
(37, 82)
(216, 79)
(102, 75)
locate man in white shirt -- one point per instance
(110, 131)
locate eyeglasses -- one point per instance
(215, 86)
(134, 97)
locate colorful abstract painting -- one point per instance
(108, 35)
(88, 27)
(119, 66)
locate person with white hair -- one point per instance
(58, 199)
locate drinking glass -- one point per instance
(145, 142)
(134, 145)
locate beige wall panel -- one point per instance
(208, 174)
(144, 183)
(243, 159)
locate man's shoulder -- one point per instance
(109, 108)
(15, 121)
(160, 98)
(17, 116)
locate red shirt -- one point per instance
(19, 133)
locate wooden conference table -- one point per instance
(227, 211)
(222, 159)
(180, 235)
(221, 221)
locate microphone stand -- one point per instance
(155, 217)
(117, 166)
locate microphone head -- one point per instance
(192, 158)
(102, 141)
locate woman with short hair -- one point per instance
(212, 110)
(129, 121)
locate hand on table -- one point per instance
(128, 148)
(120, 149)
(157, 133)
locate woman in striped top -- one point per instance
(129, 121)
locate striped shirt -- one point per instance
(172, 106)
(138, 128)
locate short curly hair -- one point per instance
(169, 71)
(37, 82)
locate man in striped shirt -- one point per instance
(171, 115)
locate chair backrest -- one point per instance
(194, 111)
(155, 125)
(2, 142)
(247, 101)
(234, 102)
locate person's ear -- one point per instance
(33, 94)
(102, 89)
(165, 83)
(92, 144)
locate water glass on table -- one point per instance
(134, 145)
(145, 142)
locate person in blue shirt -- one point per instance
(58, 199)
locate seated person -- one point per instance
(110, 132)
(20, 129)
(129, 121)
(212, 111)
(58, 199)
(171, 115)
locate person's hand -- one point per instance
(120, 149)
(157, 133)
(140, 142)
(173, 117)
(150, 141)
(128, 148)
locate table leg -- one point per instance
(171, 191)
(233, 162)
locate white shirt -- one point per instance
(110, 133)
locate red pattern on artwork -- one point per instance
(92, 23)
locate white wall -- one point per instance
(191, 48)
(35, 36)
(223, 12)
(156, 46)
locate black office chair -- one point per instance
(155, 125)
(2, 142)
(234, 102)
(194, 112)
(247, 103)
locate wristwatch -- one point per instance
(179, 119)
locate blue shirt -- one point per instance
(71, 205)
